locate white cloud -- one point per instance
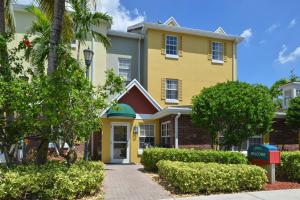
(272, 28)
(282, 58)
(292, 23)
(247, 34)
(122, 17)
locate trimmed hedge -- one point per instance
(152, 156)
(289, 167)
(51, 181)
(207, 178)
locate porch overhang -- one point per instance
(121, 110)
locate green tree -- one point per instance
(85, 22)
(237, 110)
(14, 103)
(293, 115)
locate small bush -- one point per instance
(210, 178)
(152, 156)
(289, 167)
(51, 181)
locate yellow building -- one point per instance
(176, 64)
(180, 61)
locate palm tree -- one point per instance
(85, 21)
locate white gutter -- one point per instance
(191, 31)
(176, 130)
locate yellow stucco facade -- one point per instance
(192, 66)
(134, 156)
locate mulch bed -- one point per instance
(281, 185)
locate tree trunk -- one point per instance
(6, 156)
(2, 17)
(299, 137)
(56, 29)
(78, 51)
(42, 151)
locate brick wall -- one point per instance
(189, 136)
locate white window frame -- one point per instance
(218, 61)
(128, 79)
(140, 150)
(167, 124)
(297, 92)
(286, 98)
(166, 89)
(166, 45)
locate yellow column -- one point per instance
(266, 138)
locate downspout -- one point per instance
(234, 62)
(139, 60)
(176, 130)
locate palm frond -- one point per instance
(101, 38)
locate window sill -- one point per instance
(172, 56)
(172, 101)
(217, 61)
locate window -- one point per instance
(172, 89)
(165, 134)
(297, 93)
(124, 68)
(287, 95)
(217, 52)
(146, 136)
(171, 45)
(258, 139)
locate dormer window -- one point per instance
(171, 45)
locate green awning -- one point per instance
(121, 110)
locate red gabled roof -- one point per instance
(137, 100)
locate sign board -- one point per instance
(263, 154)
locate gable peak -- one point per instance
(220, 30)
(171, 22)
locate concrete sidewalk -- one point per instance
(293, 194)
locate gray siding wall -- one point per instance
(122, 47)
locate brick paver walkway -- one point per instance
(128, 183)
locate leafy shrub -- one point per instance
(53, 180)
(152, 155)
(290, 166)
(197, 177)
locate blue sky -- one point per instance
(271, 50)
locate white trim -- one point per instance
(217, 61)
(164, 123)
(171, 19)
(176, 129)
(172, 101)
(172, 110)
(220, 30)
(133, 83)
(176, 29)
(127, 160)
(125, 34)
(140, 150)
(172, 56)
(144, 116)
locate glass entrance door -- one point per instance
(120, 143)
